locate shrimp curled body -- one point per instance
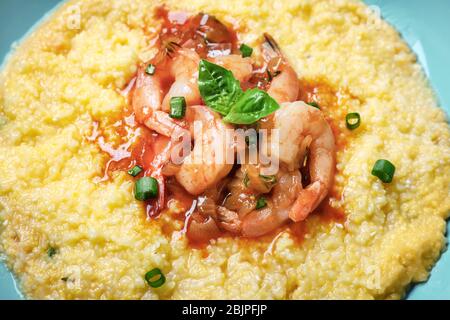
(298, 122)
(301, 128)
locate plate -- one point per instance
(422, 24)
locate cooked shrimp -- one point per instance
(259, 222)
(206, 164)
(201, 229)
(148, 93)
(240, 67)
(229, 220)
(162, 123)
(299, 123)
(151, 103)
(184, 69)
(284, 86)
(302, 128)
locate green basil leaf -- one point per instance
(253, 105)
(218, 87)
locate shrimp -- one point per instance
(285, 85)
(163, 124)
(257, 222)
(240, 67)
(201, 229)
(184, 69)
(151, 103)
(302, 127)
(206, 164)
(260, 222)
(148, 93)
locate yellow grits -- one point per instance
(59, 80)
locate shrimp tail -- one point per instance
(307, 201)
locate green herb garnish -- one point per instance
(146, 188)
(157, 275)
(177, 107)
(253, 105)
(135, 171)
(352, 120)
(51, 251)
(384, 170)
(261, 203)
(269, 181)
(314, 104)
(222, 92)
(246, 51)
(218, 87)
(150, 70)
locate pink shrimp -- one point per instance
(240, 67)
(285, 85)
(206, 164)
(298, 122)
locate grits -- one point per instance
(60, 80)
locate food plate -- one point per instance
(425, 36)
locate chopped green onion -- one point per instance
(352, 120)
(384, 170)
(261, 203)
(246, 50)
(146, 188)
(152, 274)
(51, 251)
(314, 104)
(135, 171)
(177, 107)
(246, 180)
(150, 70)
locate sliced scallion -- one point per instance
(155, 278)
(352, 120)
(135, 171)
(146, 188)
(177, 107)
(384, 170)
(246, 51)
(150, 70)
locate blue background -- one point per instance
(425, 25)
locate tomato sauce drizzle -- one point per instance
(138, 145)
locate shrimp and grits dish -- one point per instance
(220, 150)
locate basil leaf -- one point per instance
(253, 105)
(218, 87)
